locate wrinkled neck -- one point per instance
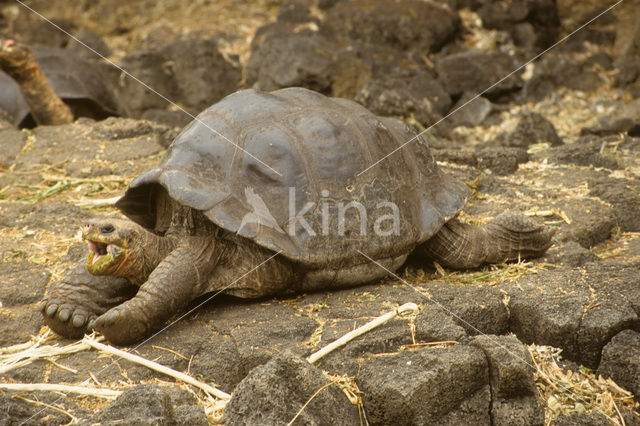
(154, 249)
(144, 256)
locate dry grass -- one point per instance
(566, 391)
(489, 275)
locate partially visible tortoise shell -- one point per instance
(74, 79)
(319, 145)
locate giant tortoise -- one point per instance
(39, 79)
(278, 205)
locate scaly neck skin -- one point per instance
(144, 256)
(45, 105)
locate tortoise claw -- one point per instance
(64, 314)
(78, 320)
(121, 325)
(51, 310)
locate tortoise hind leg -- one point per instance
(510, 236)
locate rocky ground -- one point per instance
(550, 341)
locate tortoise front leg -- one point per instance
(80, 297)
(174, 283)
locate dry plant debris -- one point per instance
(489, 275)
(564, 391)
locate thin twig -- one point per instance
(307, 403)
(74, 419)
(407, 307)
(54, 387)
(14, 360)
(157, 367)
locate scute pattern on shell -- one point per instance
(319, 145)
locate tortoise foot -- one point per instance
(65, 318)
(122, 325)
(72, 303)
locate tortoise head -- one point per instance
(116, 247)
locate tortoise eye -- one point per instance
(107, 229)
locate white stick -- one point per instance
(407, 307)
(51, 387)
(14, 360)
(158, 367)
(96, 202)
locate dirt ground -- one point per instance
(52, 179)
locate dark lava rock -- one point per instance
(625, 199)
(17, 411)
(346, 360)
(577, 310)
(628, 71)
(128, 128)
(385, 81)
(190, 72)
(30, 216)
(514, 397)
(168, 118)
(73, 145)
(146, 404)
(22, 283)
(257, 343)
(11, 143)
(202, 74)
(296, 12)
(91, 39)
(583, 419)
(150, 404)
(570, 254)
(630, 40)
(626, 119)
(239, 336)
(420, 96)
(583, 152)
(470, 110)
(458, 156)
(621, 360)
(402, 24)
(501, 161)
(18, 324)
(275, 392)
(433, 324)
(148, 67)
(631, 418)
(476, 71)
(602, 59)
(540, 16)
(592, 221)
(555, 71)
(282, 58)
(427, 386)
(477, 309)
(532, 128)
(217, 359)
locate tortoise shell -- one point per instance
(78, 82)
(303, 155)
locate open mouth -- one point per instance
(98, 250)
